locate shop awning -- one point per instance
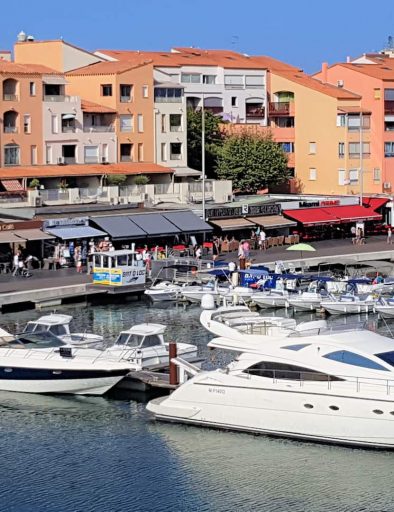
(375, 202)
(272, 221)
(119, 227)
(33, 234)
(68, 116)
(312, 216)
(354, 213)
(9, 237)
(188, 222)
(155, 224)
(12, 185)
(230, 224)
(75, 232)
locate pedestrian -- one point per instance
(138, 260)
(389, 235)
(198, 252)
(15, 262)
(262, 240)
(241, 252)
(246, 249)
(353, 232)
(78, 258)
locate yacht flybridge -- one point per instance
(335, 388)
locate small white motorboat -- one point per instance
(163, 291)
(195, 293)
(385, 307)
(59, 325)
(306, 301)
(274, 298)
(349, 304)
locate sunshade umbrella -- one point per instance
(301, 248)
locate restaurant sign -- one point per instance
(242, 210)
(63, 222)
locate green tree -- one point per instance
(213, 140)
(116, 179)
(252, 162)
(141, 179)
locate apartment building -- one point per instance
(372, 77)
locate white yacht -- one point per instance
(42, 363)
(144, 346)
(163, 291)
(349, 304)
(195, 293)
(275, 298)
(59, 325)
(335, 388)
(385, 307)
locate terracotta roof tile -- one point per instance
(109, 68)
(383, 71)
(26, 69)
(95, 108)
(64, 171)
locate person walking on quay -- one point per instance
(198, 252)
(78, 258)
(15, 263)
(389, 235)
(246, 247)
(262, 240)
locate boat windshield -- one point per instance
(131, 340)
(38, 340)
(30, 327)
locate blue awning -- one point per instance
(188, 222)
(75, 232)
(155, 224)
(119, 227)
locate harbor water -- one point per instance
(85, 454)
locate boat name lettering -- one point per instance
(217, 390)
(133, 273)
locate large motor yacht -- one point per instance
(335, 388)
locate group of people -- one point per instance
(358, 236)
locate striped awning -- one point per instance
(12, 185)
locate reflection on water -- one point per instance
(106, 454)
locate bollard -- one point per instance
(242, 263)
(172, 353)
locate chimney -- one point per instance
(324, 68)
(348, 59)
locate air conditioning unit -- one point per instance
(60, 160)
(340, 83)
(386, 185)
(104, 160)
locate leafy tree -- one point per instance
(213, 140)
(252, 162)
(141, 179)
(116, 179)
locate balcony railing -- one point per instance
(176, 128)
(389, 107)
(10, 97)
(69, 160)
(355, 156)
(214, 110)
(279, 108)
(91, 159)
(256, 112)
(98, 129)
(125, 158)
(10, 129)
(53, 97)
(126, 99)
(165, 99)
(175, 156)
(69, 129)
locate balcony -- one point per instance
(10, 129)
(91, 160)
(177, 128)
(69, 129)
(214, 110)
(389, 107)
(279, 108)
(126, 99)
(10, 97)
(356, 156)
(255, 112)
(175, 156)
(98, 129)
(125, 158)
(69, 160)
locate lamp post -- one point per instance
(203, 155)
(361, 159)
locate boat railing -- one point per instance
(309, 378)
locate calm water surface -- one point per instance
(85, 454)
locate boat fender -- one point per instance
(208, 301)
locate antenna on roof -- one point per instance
(234, 41)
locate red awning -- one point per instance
(375, 202)
(312, 216)
(12, 185)
(354, 213)
(332, 215)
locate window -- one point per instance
(234, 101)
(354, 149)
(126, 123)
(297, 347)
(91, 154)
(33, 155)
(287, 147)
(175, 122)
(284, 122)
(272, 370)
(175, 151)
(151, 341)
(346, 357)
(191, 78)
(125, 93)
(106, 90)
(140, 150)
(254, 81)
(312, 174)
(389, 126)
(353, 176)
(312, 148)
(341, 149)
(145, 91)
(354, 122)
(389, 149)
(163, 151)
(126, 152)
(389, 94)
(32, 88)
(168, 95)
(11, 154)
(48, 154)
(27, 123)
(341, 120)
(208, 79)
(376, 174)
(54, 123)
(105, 154)
(387, 357)
(236, 81)
(377, 94)
(140, 122)
(163, 123)
(341, 177)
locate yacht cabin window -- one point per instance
(57, 330)
(30, 327)
(273, 370)
(151, 341)
(131, 340)
(297, 347)
(346, 357)
(43, 339)
(387, 357)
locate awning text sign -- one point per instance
(242, 209)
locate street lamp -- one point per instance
(361, 159)
(203, 155)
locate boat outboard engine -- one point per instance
(208, 301)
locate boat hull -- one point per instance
(270, 302)
(385, 311)
(162, 296)
(304, 305)
(347, 308)
(284, 414)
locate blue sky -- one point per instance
(300, 32)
